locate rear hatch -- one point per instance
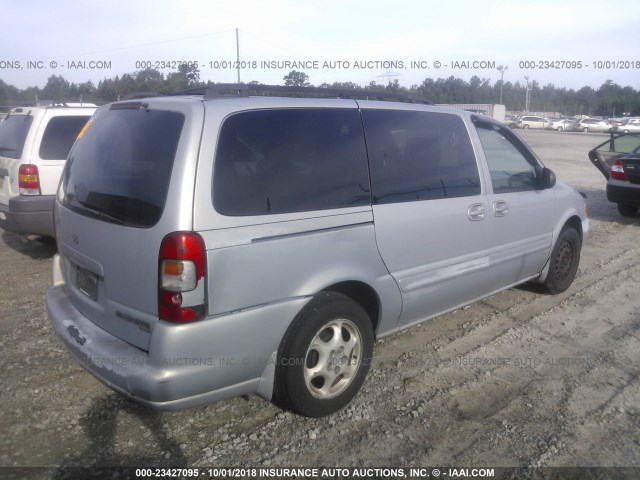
(604, 155)
(121, 193)
(13, 135)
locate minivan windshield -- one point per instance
(119, 168)
(13, 133)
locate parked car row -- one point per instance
(571, 124)
(267, 241)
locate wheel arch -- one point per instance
(361, 293)
(574, 221)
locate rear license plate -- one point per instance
(87, 283)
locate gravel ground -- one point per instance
(519, 379)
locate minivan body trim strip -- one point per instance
(307, 232)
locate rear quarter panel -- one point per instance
(257, 260)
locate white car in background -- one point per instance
(34, 144)
(563, 125)
(629, 125)
(594, 125)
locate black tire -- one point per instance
(627, 210)
(564, 261)
(525, 126)
(560, 129)
(308, 339)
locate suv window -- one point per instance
(510, 165)
(419, 156)
(13, 133)
(119, 170)
(59, 136)
(292, 160)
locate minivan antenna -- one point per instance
(238, 54)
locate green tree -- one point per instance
(190, 73)
(296, 79)
(57, 89)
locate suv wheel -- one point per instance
(564, 261)
(559, 129)
(324, 356)
(627, 210)
(525, 126)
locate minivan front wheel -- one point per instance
(324, 356)
(564, 261)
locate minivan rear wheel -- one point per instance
(564, 261)
(324, 356)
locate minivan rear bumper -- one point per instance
(28, 215)
(187, 374)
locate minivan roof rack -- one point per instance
(221, 90)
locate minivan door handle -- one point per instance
(475, 212)
(500, 208)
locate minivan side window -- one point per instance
(417, 155)
(59, 136)
(291, 160)
(512, 168)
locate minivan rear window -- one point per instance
(13, 133)
(119, 170)
(290, 160)
(59, 136)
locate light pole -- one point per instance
(526, 97)
(502, 69)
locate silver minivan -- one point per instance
(212, 246)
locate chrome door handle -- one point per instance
(475, 212)
(500, 208)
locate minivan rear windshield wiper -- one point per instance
(71, 198)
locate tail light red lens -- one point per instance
(617, 171)
(28, 180)
(181, 276)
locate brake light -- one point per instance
(28, 180)
(617, 171)
(181, 277)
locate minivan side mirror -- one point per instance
(547, 179)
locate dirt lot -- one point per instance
(520, 379)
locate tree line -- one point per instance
(608, 100)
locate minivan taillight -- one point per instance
(181, 277)
(28, 180)
(617, 171)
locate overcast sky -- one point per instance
(116, 34)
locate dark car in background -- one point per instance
(618, 159)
